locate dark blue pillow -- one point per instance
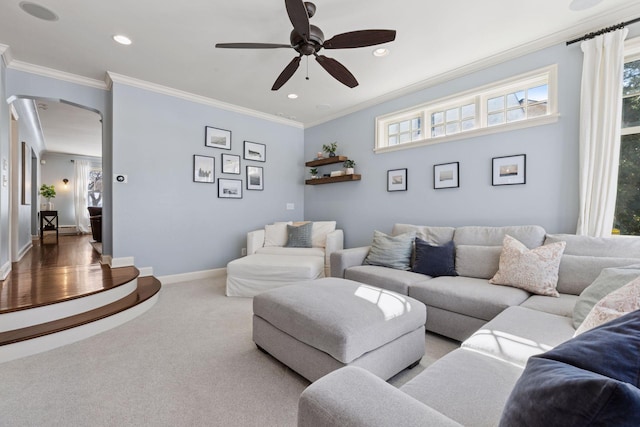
(589, 380)
(435, 260)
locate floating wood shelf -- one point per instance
(326, 161)
(330, 180)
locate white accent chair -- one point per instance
(270, 263)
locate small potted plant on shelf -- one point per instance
(314, 173)
(48, 192)
(348, 166)
(330, 148)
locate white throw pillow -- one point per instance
(616, 304)
(275, 234)
(534, 270)
(319, 232)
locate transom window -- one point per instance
(524, 100)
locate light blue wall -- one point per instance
(549, 198)
(5, 243)
(26, 212)
(165, 220)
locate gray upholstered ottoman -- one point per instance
(319, 326)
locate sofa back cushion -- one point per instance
(585, 257)
(435, 235)
(478, 248)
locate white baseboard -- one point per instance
(195, 275)
(145, 271)
(121, 262)
(24, 250)
(5, 270)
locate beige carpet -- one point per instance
(189, 361)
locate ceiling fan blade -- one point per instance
(299, 17)
(360, 38)
(251, 45)
(286, 74)
(337, 70)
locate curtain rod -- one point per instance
(603, 31)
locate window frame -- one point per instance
(479, 97)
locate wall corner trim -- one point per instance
(56, 74)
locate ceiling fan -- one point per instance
(307, 39)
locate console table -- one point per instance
(48, 222)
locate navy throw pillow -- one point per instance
(434, 260)
(592, 379)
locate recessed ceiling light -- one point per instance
(122, 39)
(38, 11)
(381, 51)
(292, 96)
(583, 4)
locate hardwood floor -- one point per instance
(53, 273)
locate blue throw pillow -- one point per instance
(434, 260)
(299, 236)
(391, 251)
(592, 379)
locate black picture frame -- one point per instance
(509, 170)
(446, 175)
(229, 188)
(255, 151)
(397, 180)
(230, 164)
(217, 138)
(255, 178)
(204, 169)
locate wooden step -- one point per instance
(147, 288)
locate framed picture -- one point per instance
(26, 174)
(446, 175)
(231, 164)
(217, 138)
(230, 188)
(509, 170)
(255, 178)
(255, 151)
(203, 169)
(397, 180)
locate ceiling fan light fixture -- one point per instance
(380, 52)
(122, 39)
(292, 96)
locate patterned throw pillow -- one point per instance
(299, 236)
(534, 270)
(616, 304)
(391, 251)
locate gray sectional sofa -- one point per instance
(500, 327)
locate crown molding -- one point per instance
(5, 54)
(56, 74)
(619, 14)
(164, 90)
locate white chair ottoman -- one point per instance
(317, 327)
(250, 275)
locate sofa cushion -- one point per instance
(589, 380)
(436, 235)
(562, 305)
(480, 262)
(614, 305)
(299, 236)
(466, 386)
(391, 251)
(534, 270)
(277, 250)
(519, 333)
(384, 277)
(609, 280)
(275, 234)
(434, 260)
(466, 295)
(319, 231)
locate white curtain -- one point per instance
(600, 121)
(80, 191)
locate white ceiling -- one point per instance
(173, 44)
